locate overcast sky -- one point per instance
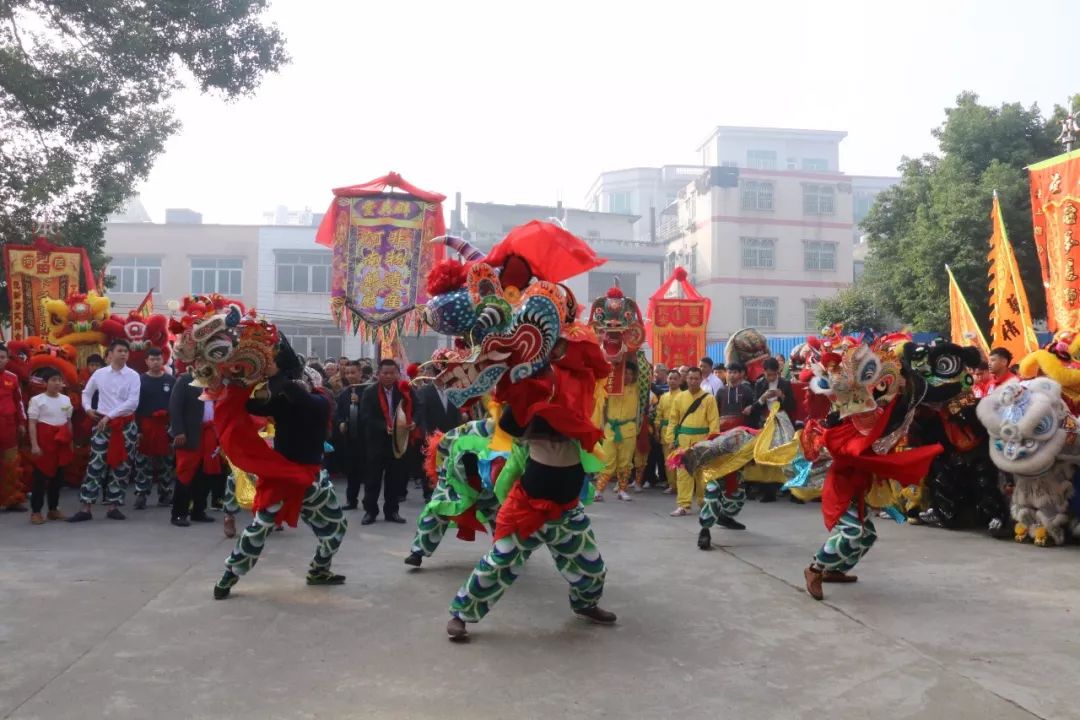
(521, 102)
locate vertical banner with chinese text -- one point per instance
(39, 271)
(678, 331)
(1010, 314)
(1055, 201)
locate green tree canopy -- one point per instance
(84, 99)
(940, 213)
(857, 308)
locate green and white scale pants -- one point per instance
(431, 527)
(577, 558)
(851, 538)
(100, 476)
(719, 503)
(321, 512)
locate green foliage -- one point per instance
(940, 213)
(84, 99)
(857, 308)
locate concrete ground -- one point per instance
(116, 620)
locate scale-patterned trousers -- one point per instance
(98, 472)
(431, 527)
(573, 547)
(851, 538)
(719, 503)
(321, 512)
(149, 468)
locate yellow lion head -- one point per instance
(1059, 361)
(77, 320)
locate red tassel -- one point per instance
(446, 276)
(431, 459)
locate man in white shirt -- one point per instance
(116, 434)
(709, 381)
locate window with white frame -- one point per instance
(621, 203)
(757, 195)
(815, 164)
(761, 159)
(217, 275)
(314, 341)
(134, 274)
(810, 311)
(758, 253)
(819, 199)
(759, 312)
(302, 272)
(819, 255)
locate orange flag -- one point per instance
(146, 307)
(965, 331)
(1010, 313)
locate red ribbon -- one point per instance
(117, 453)
(55, 444)
(188, 461)
(154, 434)
(523, 515)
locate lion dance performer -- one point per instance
(230, 351)
(863, 380)
(545, 368)
(12, 424)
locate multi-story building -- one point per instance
(636, 264)
(642, 191)
(281, 215)
(766, 231)
(864, 190)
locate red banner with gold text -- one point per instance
(678, 331)
(1055, 203)
(39, 271)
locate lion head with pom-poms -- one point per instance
(222, 342)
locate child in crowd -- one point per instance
(50, 445)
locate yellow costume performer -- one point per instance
(692, 418)
(620, 438)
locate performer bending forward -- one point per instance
(543, 508)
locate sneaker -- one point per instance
(669, 490)
(704, 539)
(163, 501)
(456, 629)
(597, 615)
(37, 519)
(625, 496)
(637, 489)
(930, 517)
(230, 526)
(414, 559)
(324, 577)
(204, 518)
(56, 515)
(80, 516)
(181, 522)
(221, 593)
(730, 523)
(279, 528)
(680, 512)
(115, 514)
(598, 497)
(140, 502)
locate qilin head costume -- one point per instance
(1033, 436)
(77, 320)
(863, 380)
(1059, 360)
(141, 333)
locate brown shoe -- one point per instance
(229, 526)
(456, 629)
(36, 519)
(835, 576)
(813, 578)
(56, 515)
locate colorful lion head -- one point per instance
(141, 333)
(939, 370)
(221, 342)
(1030, 426)
(77, 320)
(860, 377)
(1059, 360)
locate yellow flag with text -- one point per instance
(965, 331)
(1010, 313)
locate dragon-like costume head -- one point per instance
(858, 376)
(76, 320)
(220, 341)
(141, 333)
(1059, 361)
(1030, 426)
(939, 370)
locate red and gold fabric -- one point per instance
(676, 327)
(39, 271)
(523, 515)
(117, 453)
(55, 444)
(154, 439)
(206, 456)
(1055, 204)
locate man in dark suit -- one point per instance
(350, 427)
(769, 387)
(436, 414)
(195, 443)
(385, 472)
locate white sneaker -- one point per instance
(598, 497)
(680, 512)
(669, 490)
(623, 495)
(637, 488)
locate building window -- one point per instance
(815, 164)
(314, 341)
(601, 282)
(759, 312)
(761, 159)
(135, 274)
(757, 195)
(620, 203)
(810, 309)
(818, 199)
(758, 253)
(862, 203)
(819, 255)
(217, 275)
(729, 163)
(302, 272)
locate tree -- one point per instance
(857, 309)
(84, 99)
(940, 213)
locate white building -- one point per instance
(864, 190)
(642, 191)
(766, 231)
(637, 265)
(282, 215)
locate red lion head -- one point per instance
(142, 333)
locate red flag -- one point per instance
(146, 307)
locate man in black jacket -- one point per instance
(190, 427)
(387, 471)
(435, 414)
(350, 427)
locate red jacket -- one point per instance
(11, 401)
